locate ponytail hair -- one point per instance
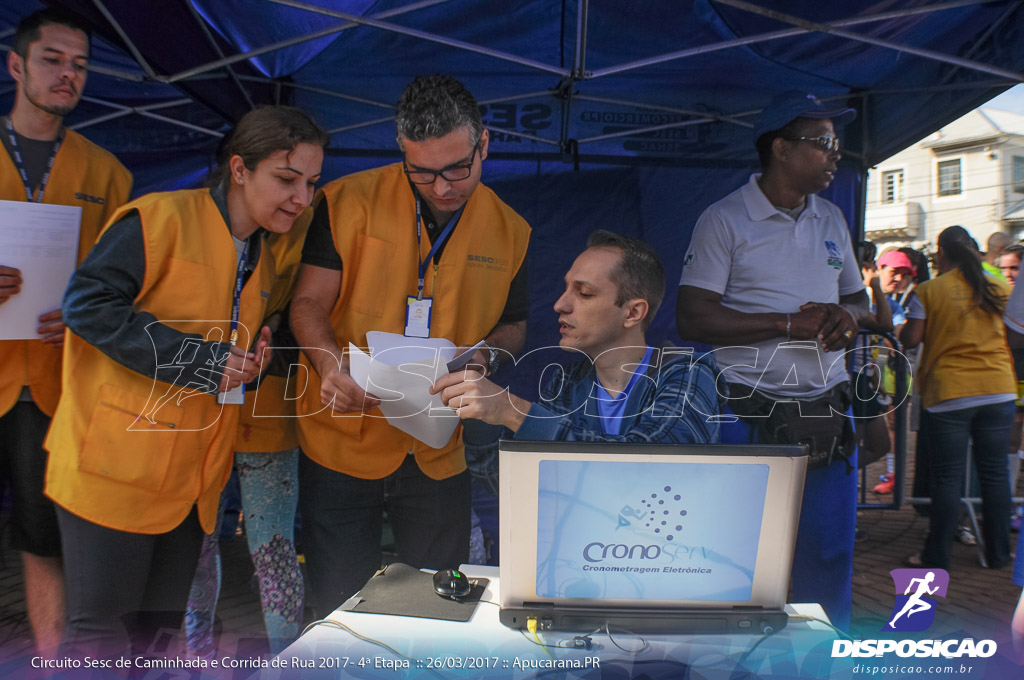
(956, 247)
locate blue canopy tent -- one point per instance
(628, 116)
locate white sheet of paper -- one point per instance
(41, 240)
(399, 371)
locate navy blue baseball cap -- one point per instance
(794, 104)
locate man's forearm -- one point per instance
(312, 328)
(716, 324)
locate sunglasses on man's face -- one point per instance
(824, 142)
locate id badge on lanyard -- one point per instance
(418, 309)
(417, 316)
(236, 395)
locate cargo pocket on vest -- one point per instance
(127, 444)
(372, 276)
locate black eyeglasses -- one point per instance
(824, 142)
(455, 173)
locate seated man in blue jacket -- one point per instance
(623, 389)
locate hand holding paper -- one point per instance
(10, 282)
(338, 386)
(400, 371)
(39, 243)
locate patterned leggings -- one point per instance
(269, 483)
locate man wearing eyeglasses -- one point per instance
(422, 248)
(770, 264)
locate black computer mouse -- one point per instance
(451, 583)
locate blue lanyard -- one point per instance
(242, 259)
(437, 244)
(21, 165)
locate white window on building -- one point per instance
(892, 186)
(1018, 174)
(949, 178)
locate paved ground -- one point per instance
(980, 601)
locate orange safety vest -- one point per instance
(128, 452)
(266, 423)
(965, 352)
(373, 217)
(83, 175)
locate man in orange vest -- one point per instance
(45, 163)
(422, 248)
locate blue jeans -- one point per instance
(343, 517)
(947, 437)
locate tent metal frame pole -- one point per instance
(567, 87)
(695, 51)
(524, 135)
(116, 73)
(226, 61)
(213, 43)
(141, 60)
(423, 35)
(121, 111)
(973, 85)
(813, 26)
(180, 123)
(519, 97)
(973, 49)
(867, 148)
(775, 35)
(378, 121)
(319, 90)
(369, 102)
(357, 126)
(580, 60)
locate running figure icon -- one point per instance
(915, 603)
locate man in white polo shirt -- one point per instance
(771, 280)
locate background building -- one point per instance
(970, 172)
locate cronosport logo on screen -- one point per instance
(913, 611)
(658, 515)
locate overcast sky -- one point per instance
(1011, 100)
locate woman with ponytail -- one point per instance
(165, 328)
(968, 394)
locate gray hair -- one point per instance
(433, 106)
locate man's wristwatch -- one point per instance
(492, 358)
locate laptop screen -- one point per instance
(647, 525)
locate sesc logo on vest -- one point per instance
(497, 264)
(89, 199)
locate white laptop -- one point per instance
(647, 538)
